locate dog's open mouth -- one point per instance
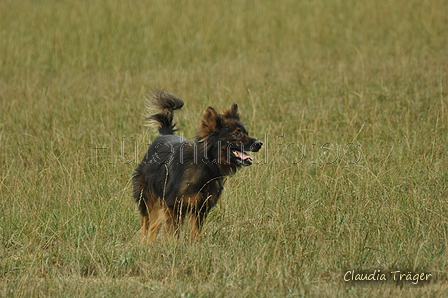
(242, 157)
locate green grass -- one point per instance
(350, 98)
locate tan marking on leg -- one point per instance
(157, 216)
(145, 226)
(194, 228)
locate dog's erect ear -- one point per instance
(211, 121)
(232, 112)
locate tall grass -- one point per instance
(350, 98)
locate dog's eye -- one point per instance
(237, 134)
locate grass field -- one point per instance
(349, 97)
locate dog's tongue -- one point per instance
(243, 155)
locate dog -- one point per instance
(180, 177)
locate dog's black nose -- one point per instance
(256, 145)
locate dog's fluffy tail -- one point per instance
(160, 106)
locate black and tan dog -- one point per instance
(179, 177)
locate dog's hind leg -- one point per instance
(146, 205)
(158, 217)
(145, 225)
(173, 222)
(194, 228)
(196, 222)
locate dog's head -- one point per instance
(228, 136)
